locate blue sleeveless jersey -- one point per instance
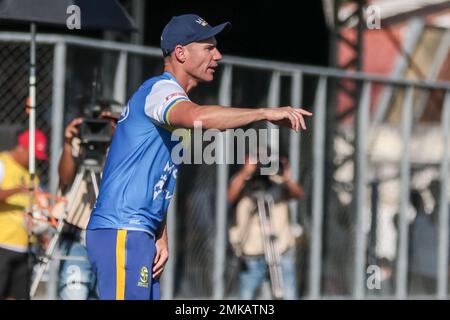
(139, 176)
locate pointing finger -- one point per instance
(303, 111)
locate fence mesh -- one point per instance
(196, 205)
(14, 78)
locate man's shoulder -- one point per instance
(161, 80)
(145, 89)
(158, 85)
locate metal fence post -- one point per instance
(405, 177)
(361, 186)
(274, 102)
(315, 266)
(120, 79)
(168, 276)
(59, 78)
(295, 141)
(442, 281)
(221, 194)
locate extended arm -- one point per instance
(185, 113)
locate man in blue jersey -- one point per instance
(127, 231)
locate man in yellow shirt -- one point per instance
(14, 199)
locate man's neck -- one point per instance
(184, 79)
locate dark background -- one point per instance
(267, 29)
(282, 30)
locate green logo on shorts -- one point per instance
(143, 279)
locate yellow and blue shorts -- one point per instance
(123, 261)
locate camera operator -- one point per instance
(246, 235)
(76, 276)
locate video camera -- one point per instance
(95, 131)
(265, 183)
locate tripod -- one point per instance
(271, 252)
(87, 169)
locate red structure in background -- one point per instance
(379, 57)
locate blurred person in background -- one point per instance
(387, 269)
(15, 271)
(246, 235)
(423, 248)
(435, 190)
(77, 280)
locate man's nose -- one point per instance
(217, 55)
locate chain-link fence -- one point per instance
(344, 232)
(14, 77)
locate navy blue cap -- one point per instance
(187, 28)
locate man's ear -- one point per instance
(180, 53)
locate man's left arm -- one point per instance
(162, 251)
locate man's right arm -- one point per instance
(185, 113)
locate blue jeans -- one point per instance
(76, 278)
(256, 271)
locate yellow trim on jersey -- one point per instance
(120, 264)
(174, 103)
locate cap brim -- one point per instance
(215, 31)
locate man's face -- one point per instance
(202, 59)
